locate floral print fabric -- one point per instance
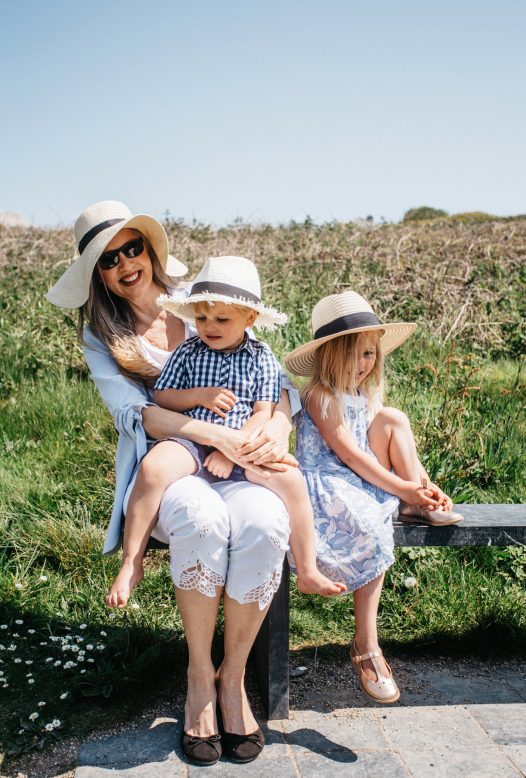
(353, 518)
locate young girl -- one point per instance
(360, 463)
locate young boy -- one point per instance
(225, 377)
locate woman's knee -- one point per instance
(191, 510)
(257, 517)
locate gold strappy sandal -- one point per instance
(384, 689)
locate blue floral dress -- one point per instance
(353, 518)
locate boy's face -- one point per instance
(221, 326)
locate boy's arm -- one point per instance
(216, 399)
(261, 413)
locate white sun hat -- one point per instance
(342, 314)
(94, 229)
(230, 280)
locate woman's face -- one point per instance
(131, 276)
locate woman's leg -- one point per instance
(194, 520)
(163, 464)
(242, 623)
(259, 531)
(199, 615)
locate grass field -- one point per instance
(461, 380)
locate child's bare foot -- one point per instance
(315, 582)
(127, 579)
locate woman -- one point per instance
(232, 537)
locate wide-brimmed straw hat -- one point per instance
(342, 314)
(230, 280)
(94, 229)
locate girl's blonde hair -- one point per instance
(335, 364)
(110, 318)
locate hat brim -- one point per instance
(268, 318)
(72, 288)
(302, 360)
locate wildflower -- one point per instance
(74, 649)
(83, 626)
(2, 648)
(409, 582)
(5, 685)
(34, 716)
(41, 704)
(43, 643)
(104, 634)
(90, 660)
(15, 635)
(101, 647)
(112, 616)
(49, 727)
(82, 671)
(43, 578)
(19, 621)
(135, 606)
(31, 680)
(29, 661)
(3, 626)
(89, 647)
(49, 659)
(69, 665)
(57, 663)
(20, 731)
(64, 696)
(28, 675)
(30, 631)
(11, 647)
(18, 585)
(17, 660)
(56, 723)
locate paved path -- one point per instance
(468, 724)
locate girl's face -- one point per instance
(365, 357)
(132, 275)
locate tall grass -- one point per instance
(460, 379)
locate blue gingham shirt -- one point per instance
(251, 372)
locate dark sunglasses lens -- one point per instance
(130, 250)
(133, 248)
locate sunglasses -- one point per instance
(130, 249)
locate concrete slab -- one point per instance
(429, 728)
(343, 729)
(365, 764)
(455, 762)
(516, 755)
(505, 724)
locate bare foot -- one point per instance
(235, 708)
(200, 706)
(367, 665)
(315, 582)
(127, 579)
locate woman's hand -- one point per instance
(269, 446)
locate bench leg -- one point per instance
(271, 653)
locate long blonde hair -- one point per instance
(110, 318)
(335, 364)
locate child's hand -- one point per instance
(216, 399)
(444, 502)
(218, 464)
(416, 494)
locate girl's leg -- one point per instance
(391, 438)
(366, 600)
(165, 463)
(290, 486)
(199, 615)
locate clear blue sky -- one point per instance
(265, 110)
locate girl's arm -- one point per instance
(335, 433)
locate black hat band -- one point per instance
(350, 321)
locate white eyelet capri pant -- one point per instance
(232, 534)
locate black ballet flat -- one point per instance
(243, 748)
(201, 750)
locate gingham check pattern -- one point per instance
(251, 372)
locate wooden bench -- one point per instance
(483, 525)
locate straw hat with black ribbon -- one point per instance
(94, 229)
(230, 280)
(343, 314)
